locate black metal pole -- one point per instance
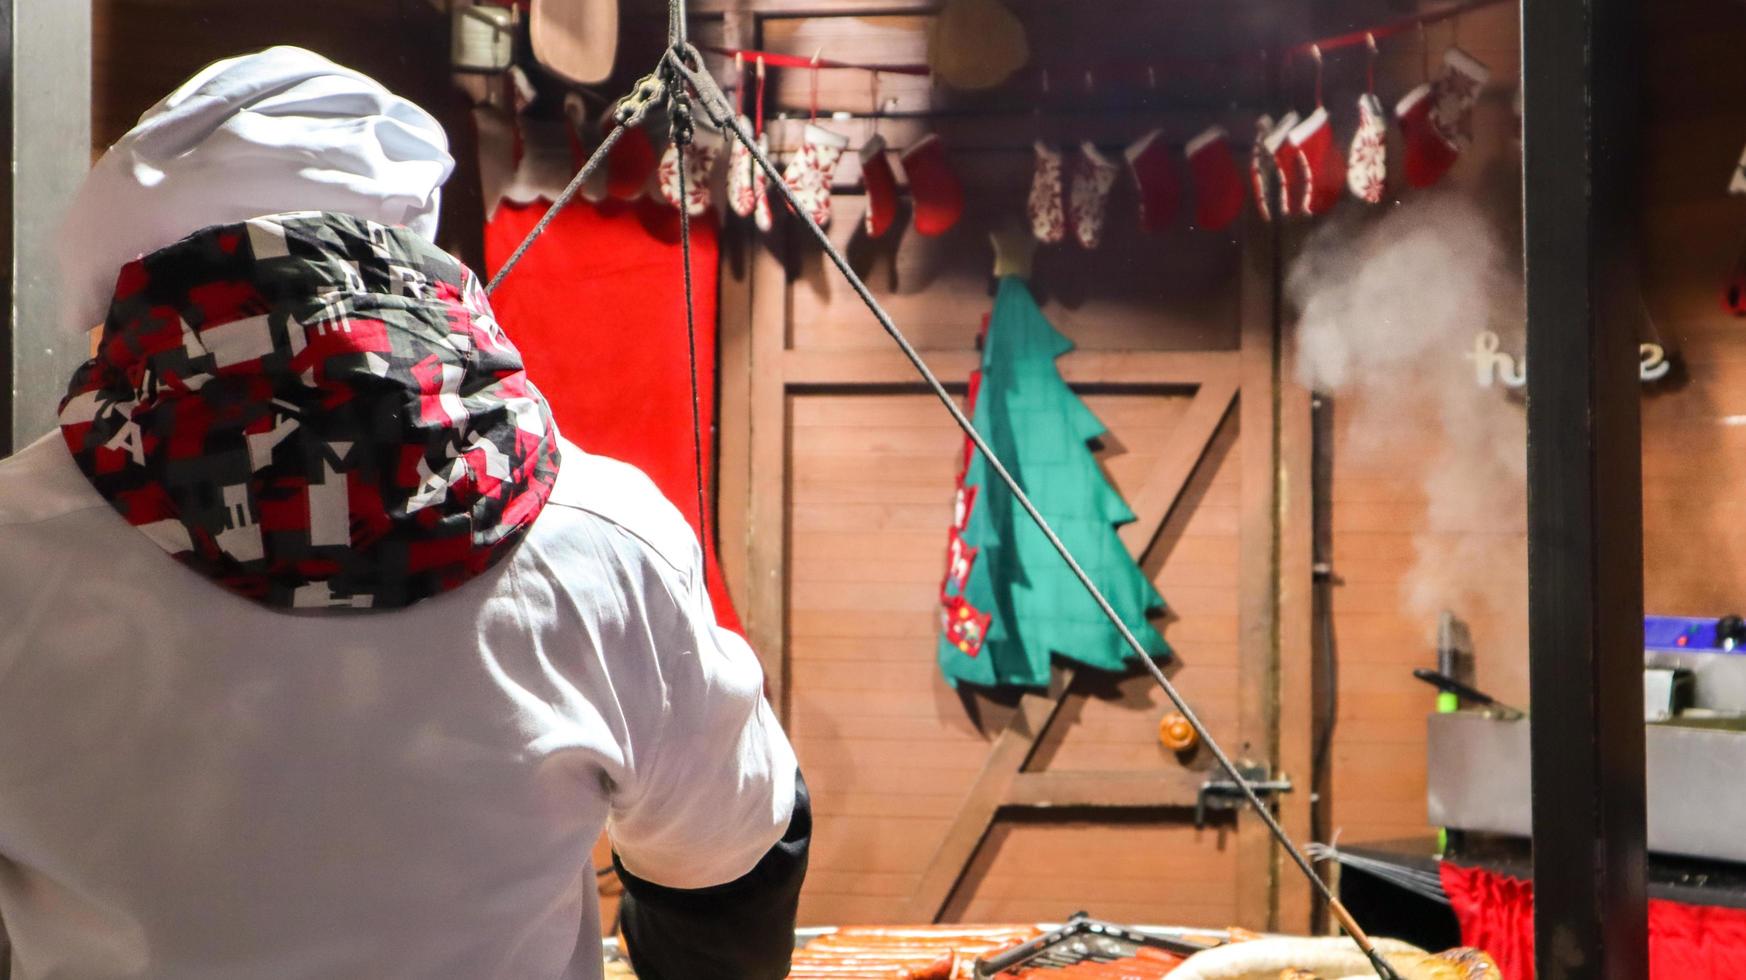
(45, 134)
(9, 326)
(1585, 550)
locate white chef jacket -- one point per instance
(193, 786)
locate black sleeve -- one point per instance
(743, 930)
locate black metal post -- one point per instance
(1585, 549)
(8, 398)
(45, 132)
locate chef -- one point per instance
(325, 654)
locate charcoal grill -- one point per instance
(1082, 940)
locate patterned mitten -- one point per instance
(1455, 91)
(1367, 161)
(1048, 217)
(810, 170)
(700, 159)
(1263, 175)
(1088, 201)
(741, 194)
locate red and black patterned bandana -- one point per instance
(314, 411)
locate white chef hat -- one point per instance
(280, 130)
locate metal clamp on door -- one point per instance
(1222, 794)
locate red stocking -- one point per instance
(1218, 189)
(1734, 294)
(881, 183)
(1155, 179)
(630, 164)
(1291, 185)
(1427, 156)
(939, 198)
(1321, 168)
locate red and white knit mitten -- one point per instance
(1088, 200)
(1455, 91)
(1367, 161)
(1263, 174)
(810, 170)
(742, 195)
(1044, 207)
(700, 159)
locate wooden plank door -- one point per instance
(837, 490)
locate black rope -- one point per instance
(682, 143)
(720, 113)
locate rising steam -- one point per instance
(1387, 310)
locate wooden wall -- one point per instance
(1692, 426)
(836, 481)
(864, 481)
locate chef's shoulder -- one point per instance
(620, 495)
(40, 483)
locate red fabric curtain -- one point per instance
(1686, 942)
(597, 307)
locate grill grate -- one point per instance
(1081, 940)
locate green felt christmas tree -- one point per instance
(1009, 603)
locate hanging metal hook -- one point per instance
(758, 105)
(878, 109)
(739, 83)
(1370, 63)
(812, 99)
